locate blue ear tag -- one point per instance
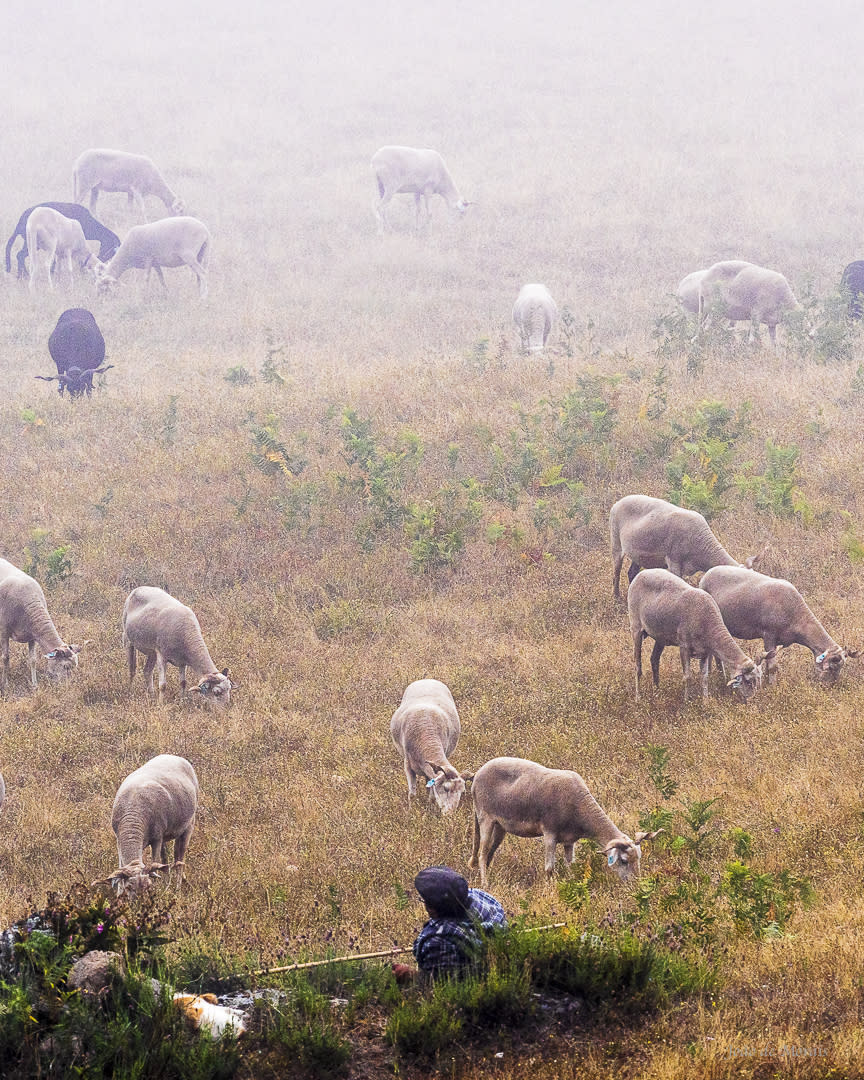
(51, 655)
(430, 783)
(819, 659)
(611, 859)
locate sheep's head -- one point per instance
(62, 661)
(624, 856)
(178, 208)
(746, 680)
(830, 663)
(215, 688)
(447, 789)
(133, 879)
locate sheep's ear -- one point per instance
(225, 671)
(466, 776)
(851, 654)
(235, 685)
(77, 648)
(641, 837)
(211, 998)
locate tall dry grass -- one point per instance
(618, 161)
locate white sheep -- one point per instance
(176, 241)
(417, 172)
(534, 315)
(689, 286)
(155, 804)
(425, 729)
(656, 533)
(115, 170)
(167, 632)
(754, 605)
(746, 292)
(61, 238)
(520, 797)
(24, 617)
(663, 607)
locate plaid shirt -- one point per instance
(449, 945)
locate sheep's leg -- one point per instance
(769, 646)
(656, 652)
(182, 686)
(94, 195)
(549, 843)
(637, 656)
(475, 848)
(568, 854)
(674, 567)
(494, 838)
(706, 671)
(412, 783)
(180, 846)
(384, 199)
(685, 666)
(200, 272)
(159, 275)
(160, 664)
(135, 194)
(147, 671)
(4, 669)
(417, 211)
(772, 333)
(31, 657)
(617, 563)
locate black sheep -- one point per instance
(78, 349)
(853, 283)
(93, 230)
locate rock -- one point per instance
(94, 972)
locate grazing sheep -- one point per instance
(688, 287)
(656, 533)
(115, 170)
(512, 795)
(177, 241)
(24, 617)
(534, 314)
(852, 282)
(663, 607)
(153, 805)
(746, 292)
(754, 605)
(92, 229)
(78, 349)
(59, 236)
(425, 729)
(421, 173)
(167, 632)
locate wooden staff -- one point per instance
(395, 951)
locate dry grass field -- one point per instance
(395, 492)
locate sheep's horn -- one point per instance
(641, 837)
(46, 378)
(99, 370)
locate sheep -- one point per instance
(688, 287)
(167, 632)
(513, 795)
(663, 607)
(78, 349)
(425, 729)
(154, 804)
(24, 617)
(754, 605)
(421, 173)
(746, 292)
(177, 241)
(93, 230)
(534, 314)
(115, 170)
(62, 238)
(852, 284)
(656, 533)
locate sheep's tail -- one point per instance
(131, 656)
(204, 254)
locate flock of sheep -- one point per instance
(665, 543)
